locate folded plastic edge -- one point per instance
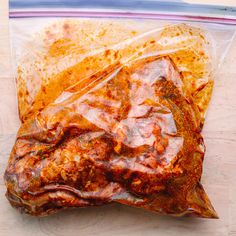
(199, 204)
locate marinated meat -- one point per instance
(130, 132)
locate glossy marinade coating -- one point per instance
(128, 134)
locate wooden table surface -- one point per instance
(219, 177)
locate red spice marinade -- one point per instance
(112, 112)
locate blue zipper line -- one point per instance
(125, 5)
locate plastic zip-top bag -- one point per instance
(112, 100)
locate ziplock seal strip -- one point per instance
(28, 14)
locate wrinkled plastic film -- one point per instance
(112, 111)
